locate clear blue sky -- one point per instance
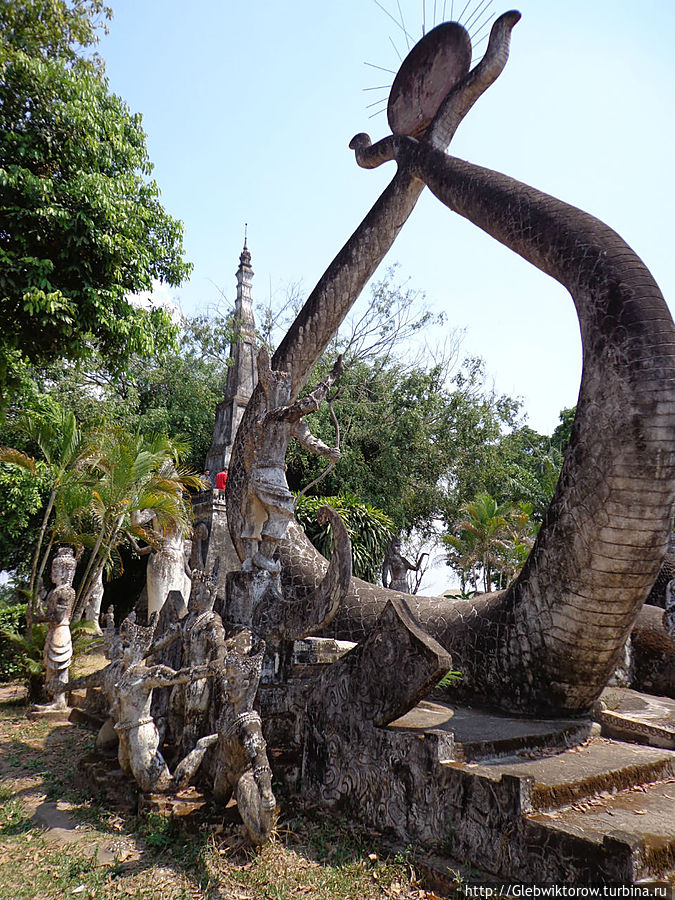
(249, 109)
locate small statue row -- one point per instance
(201, 703)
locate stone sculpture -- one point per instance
(58, 647)
(107, 679)
(241, 765)
(267, 504)
(395, 568)
(167, 650)
(203, 641)
(551, 641)
(92, 610)
(167, 570)
(139, 753)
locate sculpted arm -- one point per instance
(163, 676)
(313, 401)
(316, 445)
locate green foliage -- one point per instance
(173, 393)
(370, 531)
(22, 497)
(81, 224)
(53, 29)
(414, 443)
(563, 432)
(12, 620)
(450, 679)
(105, 485)
(492, 539)
(27, 646)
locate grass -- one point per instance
(310, 856)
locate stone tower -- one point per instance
(242, 375)
(212, 547)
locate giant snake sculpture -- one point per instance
(547, 644)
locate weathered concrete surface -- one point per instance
(601, 811)
(479, 734)
(212, 547)
(642, 818)
(631, 716)
(600, 766)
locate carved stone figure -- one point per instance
(167, 570)
(167, 650)
(268, 505)
(106, 678)
(241, 764)
(203, 642)
(139, 753)
(92, 610)
(58, 648)
(395, 568)
(551, 641)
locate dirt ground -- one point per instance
(59, 841)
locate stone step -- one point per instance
(598, 767)
(641, 818)
(481, 735)
(632, 716)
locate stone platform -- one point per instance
(642, 718)
(523, 799)
(583, 808)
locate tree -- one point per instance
(81, 225)
(65, 450)
(173, 392)
(414, 441)
(492, 539)
(137, 474)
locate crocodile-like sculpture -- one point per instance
(550, 642)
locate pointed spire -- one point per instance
(245, 258)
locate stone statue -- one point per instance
(241, 765)
(92, 610)
(395, 568)
(268, 505)
(139, 753)
(106, 678)
(167, 650)
(58, 648)
(549, 643)
(167, 570)
(203, 642)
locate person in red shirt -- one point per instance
(221, 480)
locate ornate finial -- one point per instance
(245, 258)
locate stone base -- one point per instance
(55, 716)
(184, 805)
(189, 808)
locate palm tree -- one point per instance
(492, 537)
(66, 451)
(138, 475)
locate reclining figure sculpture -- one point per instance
(549, 643)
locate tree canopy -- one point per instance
(81, 223)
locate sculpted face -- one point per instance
(63, 567)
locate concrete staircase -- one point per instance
(597, 811)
